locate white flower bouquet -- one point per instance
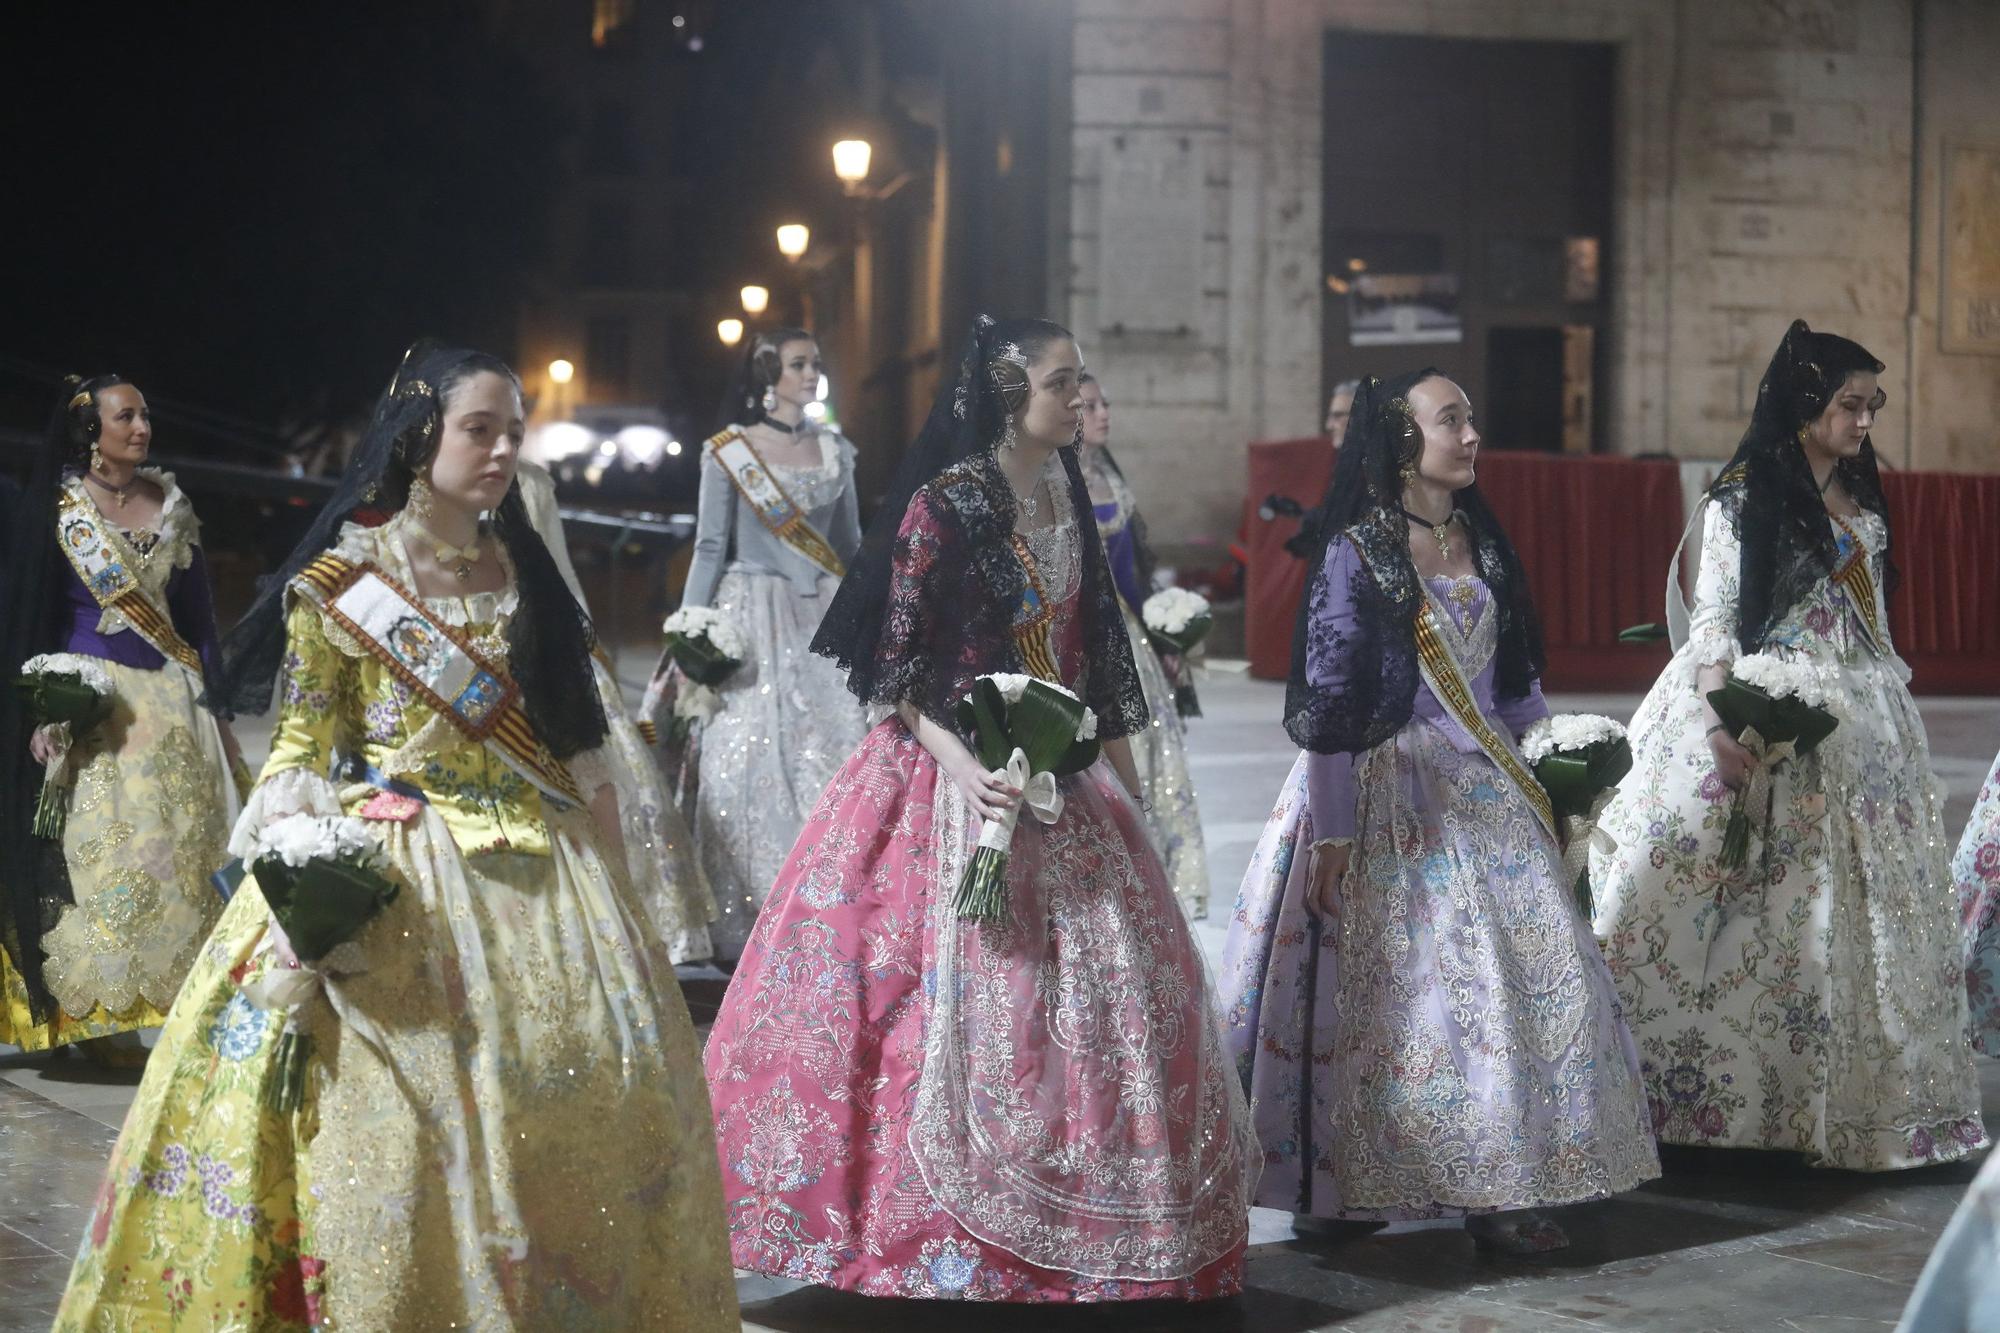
(1579, 758)
(1177, 620)
(69, 694)
(1036, 732)
(324, 877)
(708, 648)
(1779, 711)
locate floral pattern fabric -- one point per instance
(1451, 1042)
(910, 1105)
(1976, 871)
(431, 1178)
(1814, 1000)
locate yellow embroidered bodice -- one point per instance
(334, 697)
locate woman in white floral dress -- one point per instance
(1812, 1000)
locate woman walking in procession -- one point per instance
(1159, 750)
(1811, 996)
(430, 1174)
(1412, 998)
(105, 914)
(777, 525)
(1033, 1108)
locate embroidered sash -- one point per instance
(1852, 575)
(1032, 617)
(439, 663)
(776, 510)
(1447, 681)
(103, 560)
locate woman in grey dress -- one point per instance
(778, 522)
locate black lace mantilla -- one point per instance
(956, 585)
(1768, 487)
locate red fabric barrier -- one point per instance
(1596, 535)
(1945, 613)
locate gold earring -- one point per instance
(419, 502)
(1805, 432)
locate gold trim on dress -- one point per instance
(1447, 681)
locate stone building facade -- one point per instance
(1833, 159)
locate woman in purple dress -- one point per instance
(102, 923)
(1423, 1022)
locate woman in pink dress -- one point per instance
(908, 1104)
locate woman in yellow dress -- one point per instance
(103, 920)
(503, 1123)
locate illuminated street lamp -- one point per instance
(730, 331)
(755, 299)
(561, 371)
(850, 162)
(793, 238)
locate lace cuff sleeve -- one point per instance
(290, 791)
(593, 769)
(1717, 590)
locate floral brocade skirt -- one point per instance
(1037, 1111)
(149, 813)
(1451, 1043)
(787, 724)
(504, 1127)
(1813, 1000)
(1160, 755)
(1976, 868)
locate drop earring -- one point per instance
(419, 503)
(1008, 439)
(770, 399)
(96, 459)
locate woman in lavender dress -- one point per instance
(101, 927)
(1159, 752)
(1419, 1012)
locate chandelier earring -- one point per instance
(419, 503)
(1008, 439)
(96, 459)
(770, 399)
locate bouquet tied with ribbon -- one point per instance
(1778, 711)
(708, 648)
(324, 877)
(1177, 620)
(69, 694)
(1035, 732)
(1579, 758)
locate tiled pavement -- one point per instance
(1728, 1242)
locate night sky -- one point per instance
(251, 209)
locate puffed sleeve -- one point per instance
(1717, 590)
(316, 690)
(192, 606)
(845, 538)
(715, 522)
(1330, 777)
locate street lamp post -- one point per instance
(561, 372)
(755, 299)
(793, 238)
(730, 331)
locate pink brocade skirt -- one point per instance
(1090, 1061)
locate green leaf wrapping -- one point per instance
(1650, 632)
(1044, 725)
(1187, 640)
(62, 697)
(1575, 778)
(701, 661)
(1742, 705)
(322, 904)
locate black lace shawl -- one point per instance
(1374, 664)
(1768, 487)
(928, 604)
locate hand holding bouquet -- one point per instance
(324, 879)
(1777, 710)
(1579, 758)
(1177, 620)
(69, 694)
(1036, 732)
(707, 647)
